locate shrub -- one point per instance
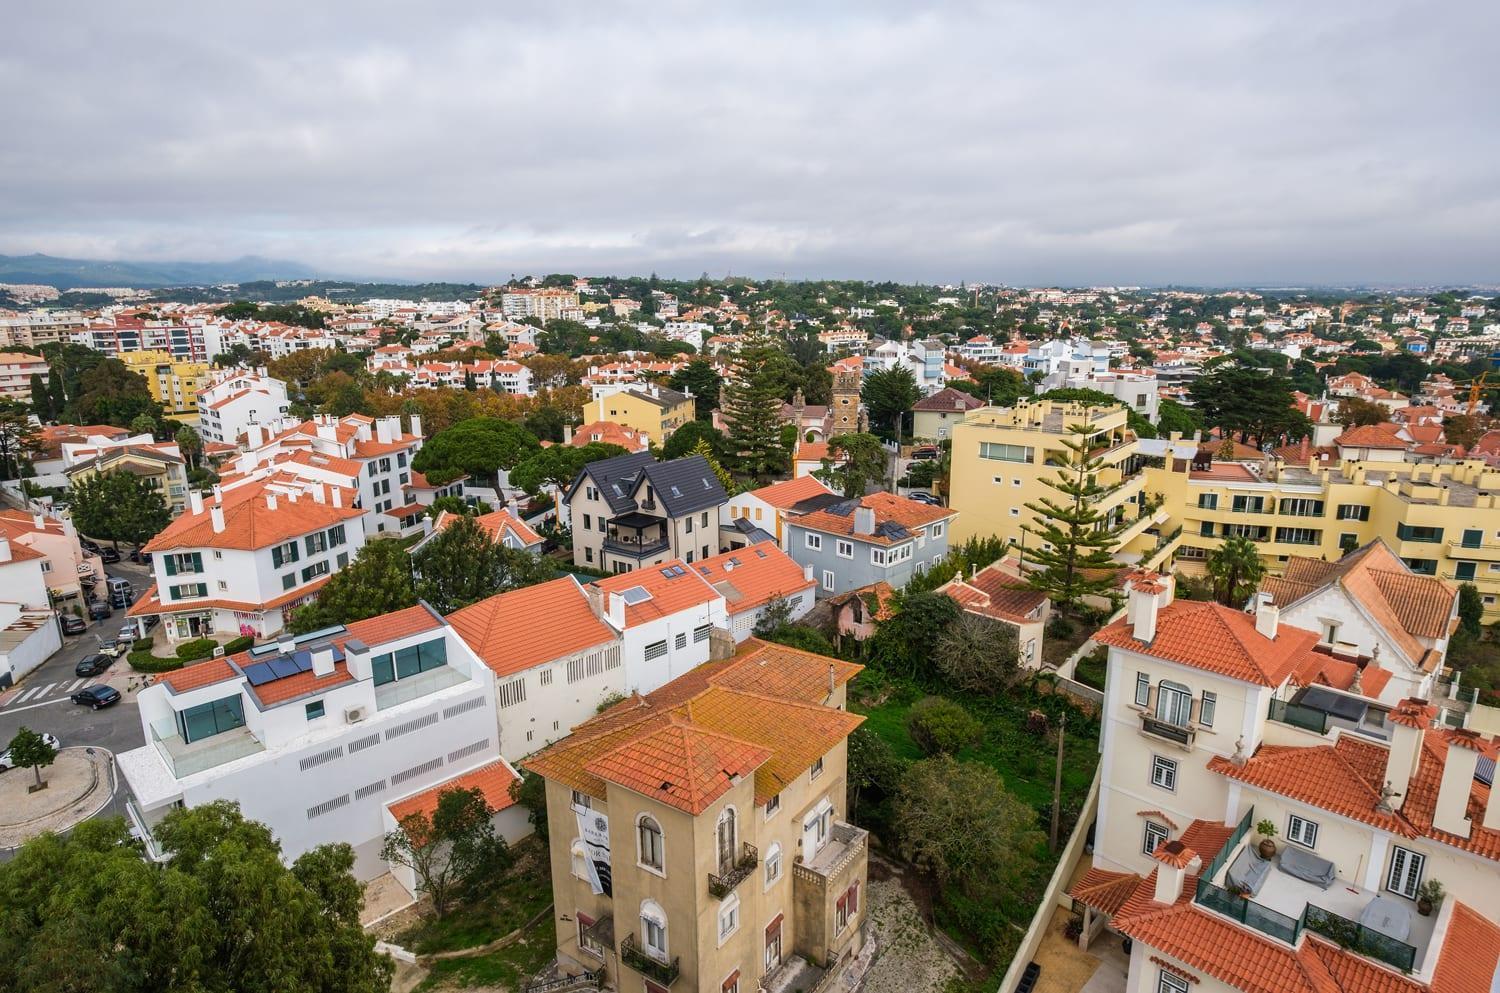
(238, 644)
(198, 648)
(1059, 627)
(938, 725)
(141, 660)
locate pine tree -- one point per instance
(1073, 537)
(41, 400)
(751, 404)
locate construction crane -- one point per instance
(1476, 387)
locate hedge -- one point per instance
(141, 659)
(238, 645)
(198, 648)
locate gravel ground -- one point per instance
(909, 958)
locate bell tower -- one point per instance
(846, 415)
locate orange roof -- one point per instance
(889, 509)
(516, 630)
(790, 492)
(810, 451)
(249, 523)
(1105, 890)
(151, 602)
(996, 594)
(1319, 667)
(750, 577)
(1213, 637)
(1384, 435)
(493, 780)
(501, 522)
(764, 709)
(609, 433)
(668, 594)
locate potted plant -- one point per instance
(1429, 895)
(1267, 831)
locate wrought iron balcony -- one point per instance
(654, 969)
(1176, 733)
(721, 885)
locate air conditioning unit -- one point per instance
(353, 715)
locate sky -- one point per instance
(1202, 142)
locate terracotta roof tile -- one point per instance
(1384, 435)
(889, 509)
(668, 594)
(521, 628)
(790, 492)
(750, 577)
(493, 779)
(1215, 638)
(1105, 890)
(997, 594)
(249, 523)
(680, 764)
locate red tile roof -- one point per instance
(249, 523)
(680, 764)
(748, 578)
(889, 509)
(1384, 435)
(790, 492)
(668, 595)
(1215, 638)
(522, 628)
(493, 780)
(996, 594)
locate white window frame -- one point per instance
(652, 915)
(1404, 877)
(829, 579)
(1170, 982)
(817, 768)
(1164, 773)
(659, 867)
(1155, 835)
(773, 865)
(773, 805)
(1207, 705)
(1301, 831)
(843, 548)
(813, 541)
(1142, 689)
(877, 556)
(729, 917)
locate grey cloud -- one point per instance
(1025, 142)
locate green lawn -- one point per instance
(509, 967)
(516, 899)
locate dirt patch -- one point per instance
(910, 955)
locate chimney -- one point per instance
(216, 515)
(864, 520)
(252, 435)
(1409, 722)
(270, 500)
(4, 548)
(338, 495)
(1148, 593)
(616, 606)
(357, 659)
(416, 425)
(1267, 616)
(1174, 861)
(383, 431)
(39, 521)
(720, 644)
(195, 502)
(317, 492)
(322, 660)
(512, 508)
(807, 573)
(286, 643)
(1452, 811)
(218, 493)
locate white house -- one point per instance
(237, 398)
(664, 614)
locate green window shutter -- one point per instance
(171, 565)
(276, 558)
(197, 561)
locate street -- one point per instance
(40, 700)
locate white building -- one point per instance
(1138, 391)
(546, 303)
(324, 738)
(664, 614)
(234, 399)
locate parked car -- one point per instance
(5, 763)
(144, 558)
(92, 665)
(926, 453)
(114, 649)
(109, 555)
(921, 496)
(73, 625)
(127, 633)
(89, 545)
(99, 610)
(96, 696)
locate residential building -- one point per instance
(630, 511)
(545, 302)
(664, 615)
(23, 574)
(1000, 596)
(16, 370)
(64, 565)
(504, 527)
(652, 411)
(1205, 736)
(1136, 390)
(608, 433)
(326, 737)
(752, 579)
(174, 383)
(770, 507)
(160, 466)
(933, 416)
(696, 838)
(237, 402)
(878, 537)
(242, 561)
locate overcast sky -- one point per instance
(1199, 142)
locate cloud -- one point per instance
(1023, 142)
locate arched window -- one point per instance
(1174, 703)
(654, 929)
(580, 857)
(725, 834)
(649, 843)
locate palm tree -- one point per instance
(190, 443)
(1236, 569)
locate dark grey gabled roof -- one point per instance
(615, 477)
(683, 486)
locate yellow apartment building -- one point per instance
(1003, 457)
(654, 411)
(173, 383)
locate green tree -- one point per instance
(110, 393)
(29, 750)
(1074, 539)
(479, 447)
(547, 422)
(143, 424)
(1470, 608)
(685, 439)
(190, 443)
(453, 849)
(888, 394)
(874, 770)
(1356, 411)
(1236, 568)
(20, 441)
(1251, 403)
(702, 380)
(462, 564)
(118, 506)
(957, 821)
(378, 581)
(1173, 416)
(752, 409)
(864, 462)
(903, 644)
(938, 725)
(1463, 429)
(530, 791)
(978, 655)
(559, 465)
(41, 400)
(223, 914)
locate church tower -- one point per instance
(846, 417)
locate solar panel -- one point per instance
(282, 667)
(1318, 698)
(303, 660)
(635, 595)
(259, 674)
(1485, 771)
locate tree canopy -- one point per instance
(752, 408)
(451, 850)
(462, 564)
(1074, 539)
(702, 380)
(558, 465)
(1251, 403)
(864, 461)
(118, 506)
(888, 394)
(479, 447)
(378, 581)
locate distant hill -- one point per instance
(68, 274)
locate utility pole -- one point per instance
(1062, 727)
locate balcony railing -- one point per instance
(1299, 716)
(637, 549)
(1358, 938)
(185, 758)
(1178, 733)
(654, 969)
(721, 885)
(592, 979)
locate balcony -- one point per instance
(845, 843)
(1483, 552)
(654, 969)
(401, 691)
(185, 758)
(723, 884)
(1179, 734)
(1298, 716)
(636, 548)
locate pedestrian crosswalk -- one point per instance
(43, 693)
